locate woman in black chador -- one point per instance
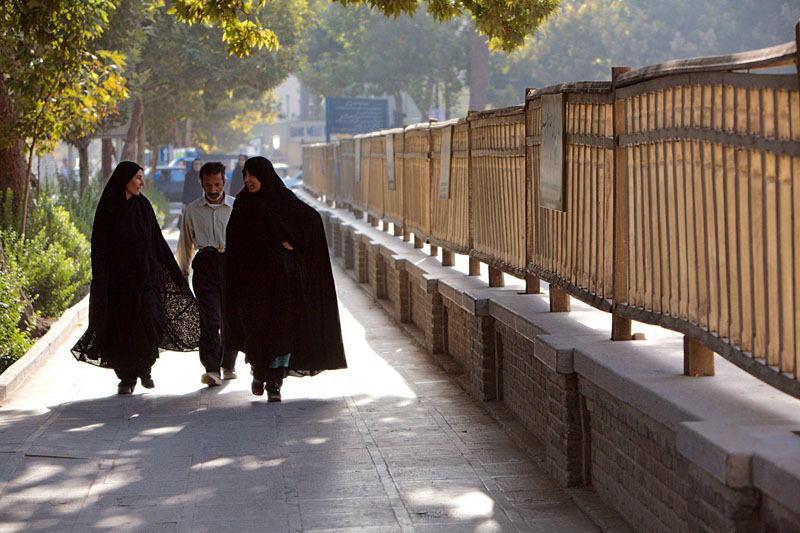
(192, 190)
(139, 301)
(281, 301)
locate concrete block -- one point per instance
(722, 450)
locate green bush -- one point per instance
(80, 205)
(13, 342)
(53, 260)
(160, 206)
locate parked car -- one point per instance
(169, 181)
(294, 181)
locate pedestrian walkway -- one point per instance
(390, 444)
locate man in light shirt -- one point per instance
(203, 238)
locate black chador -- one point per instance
(139, 301)
(280, 301)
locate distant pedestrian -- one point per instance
(63, 170)
(202, 243)
(139, 301)
(237, 179)
(282, 310)
(191, 184)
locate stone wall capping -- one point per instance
(776, 465)
(556, 351)
(452, 288)
(725, 451)
(476, 301)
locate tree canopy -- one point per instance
(587, 37)
(357, 52)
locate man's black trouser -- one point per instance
(209, 289)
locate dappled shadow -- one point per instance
(389, 444)
(227, 462)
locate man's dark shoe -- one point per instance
(147, 382)
(273, 395)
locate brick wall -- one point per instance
(397, 292)
(637, 468)
(360, 259)
(457, 343)
(545, 401)
(376, 272)
(426, 313)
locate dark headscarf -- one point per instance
(280, 301)
(237, 178)
(134, 274)
(192, 189)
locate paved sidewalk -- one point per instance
(390, 444)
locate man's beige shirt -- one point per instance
(201, 226)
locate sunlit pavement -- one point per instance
(390, 444)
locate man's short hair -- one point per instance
(211, 168)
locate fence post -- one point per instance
(474, 267)
(620, 327)
(532, 285)
(448, 257)
(496, 277)
(559, 300)
(531, 207)
(434, 250)
(697, 359)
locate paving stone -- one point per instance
(274, 511)
(254, 525)
(314, 518)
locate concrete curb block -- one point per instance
(15, 375)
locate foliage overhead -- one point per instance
(54, 84)
(183, 73)
(505, 22)
(588, 37)
(347, 54)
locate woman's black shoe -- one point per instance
(147, 382)
(257, 387)
(125, 388)
(273, 395)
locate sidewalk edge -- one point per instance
(15, 375)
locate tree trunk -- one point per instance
(187, 140)
(141, 143)
(304, 100)
(399, 113)
(10, 152)
(479, 72)
(82, 145)
(107, 153)
(128, 151)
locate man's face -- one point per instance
(212, 186)
(196, 165)
(242, 159)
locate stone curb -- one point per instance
(15, 375)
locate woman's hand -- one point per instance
(287, 245)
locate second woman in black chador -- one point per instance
(282, 310)
(139, 301)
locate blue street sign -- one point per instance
(164, 154)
